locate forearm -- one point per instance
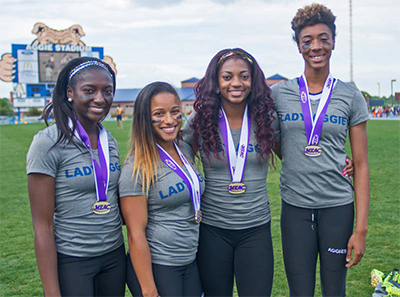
(46, 257)
(359, 148)
(41, 196)
(141, 260)
(362, 196)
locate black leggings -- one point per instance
(93, 276)
(245, 254)
(309, 232)
(170, 280)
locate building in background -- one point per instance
(126, 97)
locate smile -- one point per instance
(317, 57)
(96, 109)
(169, 130)
(236, 93)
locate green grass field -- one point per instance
(18, 271)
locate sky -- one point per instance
(174, 40)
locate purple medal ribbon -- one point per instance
(236, 161)
(314, 127)
(192, 183)
(100, 172)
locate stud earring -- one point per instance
(69, 99)
(217, 91)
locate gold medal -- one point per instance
(313, 150)
(101, 207)
(236, 188)
(198, 216)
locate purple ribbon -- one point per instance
(314, 128)
(100, 172)
(167, 160)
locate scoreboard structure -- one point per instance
(37, 67)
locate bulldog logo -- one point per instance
(46, 34)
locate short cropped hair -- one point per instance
(311, 15)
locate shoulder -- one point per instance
(284, 88)
(111, 139)
(187, 133)
(129, 161)
(47, 136)
(186, 150)
(127, 167)
(341, 85)
(190, 118)
(285, 84)
(343, 89)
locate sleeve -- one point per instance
(42, 157)
(129, 185)
(186, 150)
(276, 124)
(359, 109)
(113, 146)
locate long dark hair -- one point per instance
(143, 144)
(208, 103)
(60, 105)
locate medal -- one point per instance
(312, 126)
(198, 216)
(236, 188)
(313, 150)
(192, 182)
(101, 207)
(101, 172)
(237, 162)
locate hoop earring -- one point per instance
(69, 99)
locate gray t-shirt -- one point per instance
(316, 182)
(233, 211)
(171, 230)
(78, 230)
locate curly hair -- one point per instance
(208, 104)
(311, 15)
(63, 110)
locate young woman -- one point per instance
(231, 129)
(160, 192)
(317, 199)
(73, 171)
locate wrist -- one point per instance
(361, 231)
(150, 293)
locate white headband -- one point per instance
(87, 64)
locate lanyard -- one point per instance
(312, 126)
(192, 182)
(101, 172)
(237, 162)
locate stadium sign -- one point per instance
(33, 68)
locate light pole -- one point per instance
(391, 90)
(379, 90)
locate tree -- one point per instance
(366, 94)
(5, 108)
(33, 111)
